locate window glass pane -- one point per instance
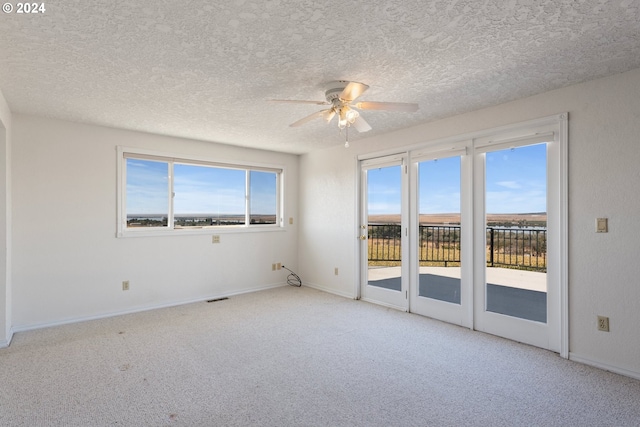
(384, 227)
(206, 196)
(516, 230)
(263, 197)
(147, 193)
(440, 229)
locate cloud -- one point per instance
(380, 208)
(516, 202)
(440, 202)
(513, 185)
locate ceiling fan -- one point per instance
(340, 96)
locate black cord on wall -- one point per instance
(293, 279)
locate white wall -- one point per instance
(68, 265)
(5, 223)
(327, 220)
(604, 177)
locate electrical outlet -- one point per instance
(335, 271)
(273, 267)
(125, 285)
(215, 239)
(279, 266)
(603, 323)
(290, 221)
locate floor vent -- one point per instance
(217, 299)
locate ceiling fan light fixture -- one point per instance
(343, 122)
(347, 117)
(351, 115)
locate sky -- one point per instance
(198, 189)
(515, 183)
(517, 180)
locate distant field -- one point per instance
(455, 218)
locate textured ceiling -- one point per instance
(205, 70)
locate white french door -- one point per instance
(441, 273)
(383, 231)
(518, 267)
(472, 231)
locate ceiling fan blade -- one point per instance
(389, 106)
(310, 117)
(352, 91)
(328, 114)
(295, 101)
(361, 125)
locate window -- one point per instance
(160, 194)
(263, 197)
(205, 196)
(147, 195)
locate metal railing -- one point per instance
(519, 248)
(524, 249)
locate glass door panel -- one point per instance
(516, 232)
(383, 233)
(440, 285)
(384, 201)
(439, 229)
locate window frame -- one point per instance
(125, 153)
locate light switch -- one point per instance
(601, 225)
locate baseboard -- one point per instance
(604, 366)
(7, 342)
(139, 309)
(328, 290)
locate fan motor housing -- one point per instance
(334, 89)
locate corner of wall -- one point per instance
(5, 223)
(7, 342)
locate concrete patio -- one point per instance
(522, 279)
(512, 292)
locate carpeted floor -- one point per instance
(297, 357)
